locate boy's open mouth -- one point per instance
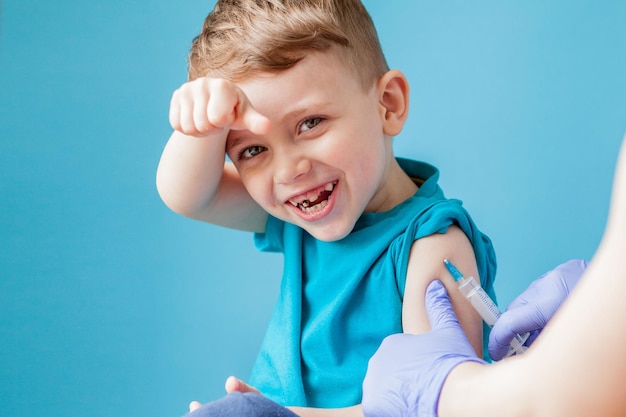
(315, 199)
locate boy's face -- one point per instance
(325, 159)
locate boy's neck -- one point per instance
(397, 188)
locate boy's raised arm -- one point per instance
(193, 178)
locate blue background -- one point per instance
(112, 305)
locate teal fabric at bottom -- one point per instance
(338, 300)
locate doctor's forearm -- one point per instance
(473, 389)
(354, 411)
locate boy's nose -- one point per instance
(289, 169)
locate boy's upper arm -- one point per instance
(425, 265)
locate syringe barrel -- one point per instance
(483, 304)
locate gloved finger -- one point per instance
(570, 273)
(533, 336)
(520, 320)
(560, 280)
(498, 349)
(573, 267)
(438, 307)
(534, 292)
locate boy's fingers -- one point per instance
(180, 116)
(194, 405)
(236, 385)
(174, 115)
(211, 104)
(221, 109)
(255, 122)
(185, 116)
(232, 384)
(246, 116)
(200, 119)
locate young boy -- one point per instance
(298, 95)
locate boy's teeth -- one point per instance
(313, 197)
(318, 206)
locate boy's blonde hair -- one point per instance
(241, 38)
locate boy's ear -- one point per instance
(393, 96)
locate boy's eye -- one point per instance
(251, 151)
(309, 124)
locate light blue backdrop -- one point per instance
(112, 305)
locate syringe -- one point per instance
(484, 305)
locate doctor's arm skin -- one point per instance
(576, 368)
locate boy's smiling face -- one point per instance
(326, 158)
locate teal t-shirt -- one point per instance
(339, 299)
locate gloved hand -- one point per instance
(531, 311)
(406, 374)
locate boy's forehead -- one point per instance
(318, 79)
(332, 57)
(317, 68)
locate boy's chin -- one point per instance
(329, 233)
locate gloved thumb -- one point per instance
(438, 307)
(522, 319)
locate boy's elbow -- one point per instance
(167, 197)
(170, 194)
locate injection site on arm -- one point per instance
(484, 305)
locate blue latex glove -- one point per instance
(531, 311)
(406, 374)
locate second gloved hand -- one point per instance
(406, 374)
(531, 311)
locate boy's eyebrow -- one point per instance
(232, 140)
(294, 114)
(301, 109)
(235, 137)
